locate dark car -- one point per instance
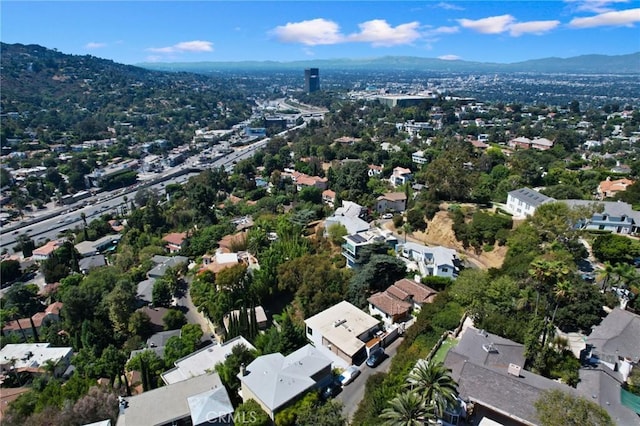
(375, 357)
(331, 390)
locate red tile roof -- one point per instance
(420, 292)
(176, 238)
(389, 304)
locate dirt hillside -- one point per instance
(439, 233)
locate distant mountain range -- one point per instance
(585, 64)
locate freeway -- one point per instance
(49, 223)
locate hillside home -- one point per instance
(350, 215)
(354, 243)
(201, 361)
(523, 202)
(614, 216)
(395, 202)
(431, 261)
(92, 248)
(344, 330)
(33, 358)
(42, 253)
(400, 176)
(275, 381)
(200, 400)
(419, 158)
(174, 241)
(29, 327)
(609, 188)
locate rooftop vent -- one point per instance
(482, 333)
(514, 369)
(338, 323)
(490, 348)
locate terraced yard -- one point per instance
(447, 344)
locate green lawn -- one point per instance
(441, 353)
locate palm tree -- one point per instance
(562, 290)
(434, 382)
(606, 275)
(408, 409)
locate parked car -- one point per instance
(387, 216)
(331, 390)
(375, 357)
(348, 375)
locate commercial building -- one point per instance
(311, 80)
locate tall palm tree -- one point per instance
(408, 409)
(606, 275)
(434, 382)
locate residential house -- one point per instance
(523, 202)
(347, 140)
(165, 262)
(400, 176)
(42, 253)
(92, 248)
(431, 261)
(614, 216)
(374, 170)
(261, 317)
(419, 158)
(197, 401)
(522, 142)
(390, 308)
(396, 303)
(156, 316)
(329, 197)
(302, 180)
(203, 360)
(344, 330)
(174, 241)
(612, 350)
(86, 264)
(157, 342)
(275, 381)
(391, 202)
(490, 373)
(355, 243)
(34, 358)
(350, 215)
(29, 327)
(609, 188)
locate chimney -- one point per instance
(243, 370)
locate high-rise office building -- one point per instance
(311, 80)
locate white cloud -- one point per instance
(379, 33)
(490, 25)
(445, 30)
(449, 57)
(533, 27)
(620, 18)
(312, 33)
(185, 46)
(596, 6)
(94, 45)
(448, 6)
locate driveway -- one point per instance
(353, 393)
(193, 316)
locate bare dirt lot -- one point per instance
(439, 233)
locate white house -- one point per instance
(419, 158)
(391, 202)
(344, 329)
(400, 176)
(32, 357)
(434, 261)
(523, 202)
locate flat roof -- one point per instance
(197, 363)
(341, 324)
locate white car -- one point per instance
(348, 375)
(387, 216)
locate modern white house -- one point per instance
(523, 202)
(344, 329)
(400, 176)
(32, 357)
(419, 158)
(354, 243)
(431, 261)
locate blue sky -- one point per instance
(189, 31)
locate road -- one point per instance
(352, 394)
(193, 316)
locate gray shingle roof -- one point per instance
(531, 197)
(276, 379)
(618, 334)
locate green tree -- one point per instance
(408, 409)
(434, 383)
(335, 232)
(140, 325)
(251, 413)
(174, 319)
(9, 271)
(161, 293)
(327, 414)
(557, 408)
